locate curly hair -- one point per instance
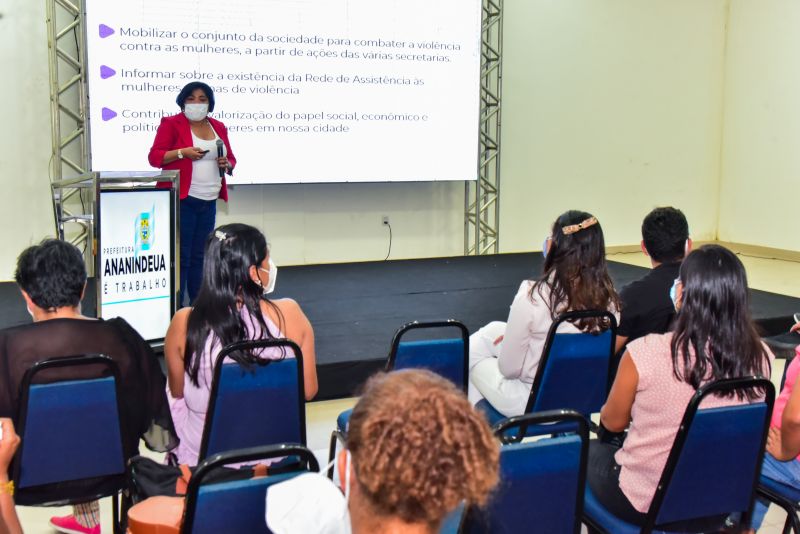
(419, 448)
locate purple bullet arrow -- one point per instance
(106, 72)
(105, 31)
(108, 114)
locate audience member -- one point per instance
(646, 306)
(52, 279)
(9, 441)
(230, 306)
(782, 459)
(504, 356)
(713, 338)
(416, 449)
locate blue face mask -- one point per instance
(673, 293)
(544, 246)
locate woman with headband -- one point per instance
(504, 356)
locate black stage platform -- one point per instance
(355, 308)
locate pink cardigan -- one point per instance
(175, 132)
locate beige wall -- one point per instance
(26, 213)
(612, 106)
(329, 223)
(761, 142)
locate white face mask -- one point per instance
(30, 312)
(273, 275)
(195, 112)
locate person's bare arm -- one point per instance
(615, 415)
(298, 328)
(8, 445)
(784, 445)
(621, 341)
(174, 351)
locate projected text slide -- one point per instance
(310, 90)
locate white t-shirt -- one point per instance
(206, 182)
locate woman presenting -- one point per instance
(187, 142)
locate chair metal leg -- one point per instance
(115, 513)
(331, 454)
(336, 436)
(793, 521)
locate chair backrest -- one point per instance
(262, 405)
(445, 356)
(575, 369)
(237, 506)
(715, 460)
(541, 482)
(71, 430)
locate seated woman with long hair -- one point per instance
(504, 357)
(230, 306)
(713, 338)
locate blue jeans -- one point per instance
(784, 472)
(197, 222)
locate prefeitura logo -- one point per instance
(145, 226)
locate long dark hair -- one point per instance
(714, 322)
(227, 288)
(576, 273)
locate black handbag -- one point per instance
(149, 478)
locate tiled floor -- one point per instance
(766, 274)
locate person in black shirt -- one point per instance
(646, 304)
(52, 277)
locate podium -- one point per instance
(131, 230)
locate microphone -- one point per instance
(219, 155)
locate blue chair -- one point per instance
(712, 469)
(237, 506)
(541, 482)
(787, 497)
(72, 448)
(575, 371)
(262, 405)
(445, 356)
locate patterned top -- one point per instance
(656, 414)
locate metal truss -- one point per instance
(69, 123)
(482, 197)
(70, 140)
